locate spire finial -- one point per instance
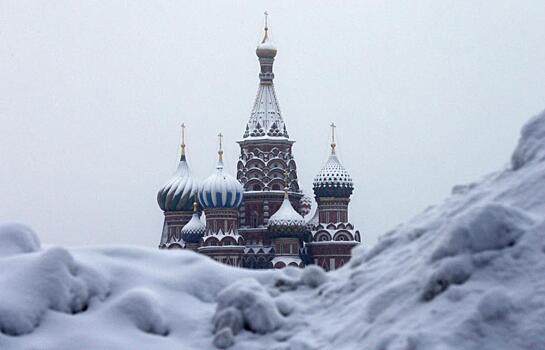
(286, 182)
(182, 145)
(266, 26)
(333, 144)
(220, 150)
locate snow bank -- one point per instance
(465, 274)
(530, 148)
(35, 282)
(16, 239)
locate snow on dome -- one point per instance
(333, 180)
(179, 192)
(220, 190)
(286, 218)
(194, 230)
(266, 49)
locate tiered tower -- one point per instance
(333, 235)
(265, 155)
(176, 198)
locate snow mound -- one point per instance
(250, 302)
(141, 308)
(16, 239)
(530, 148)
(47, 280)
(490, 227)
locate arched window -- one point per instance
(276, 187)
(257, 187)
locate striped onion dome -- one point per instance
(220, 190)
(286, 218)
(180, 190)
(195, 229)
(333, 180)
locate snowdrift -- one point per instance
(468, 273)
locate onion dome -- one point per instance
(178, 192)
(333, 180)
(286, 218)
(266, 49)
(220, 190)
(194, 230)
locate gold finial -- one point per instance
(266, 26)
(182, 146)
(220, 151)
(195, 205)
(286, 182)
(333, 144)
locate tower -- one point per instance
(175, 198)
(287, 230)
(220, 195)
(265, 155)
(333, 235)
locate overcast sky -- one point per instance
(425, 94)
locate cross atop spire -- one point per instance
(220, 150)
(333, 144)
(182, 143)
(266, 36)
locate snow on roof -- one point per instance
(286, 215)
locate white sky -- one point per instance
(425, 94)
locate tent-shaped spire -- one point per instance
(265, 118)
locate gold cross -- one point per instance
(183, 138)
(220, 151)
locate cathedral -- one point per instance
(260, 219)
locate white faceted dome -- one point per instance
(286, 218)
(220, 190)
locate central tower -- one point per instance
(265, 156)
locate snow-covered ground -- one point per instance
(468, 273)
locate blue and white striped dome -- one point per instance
(179, 192)
(220, 190)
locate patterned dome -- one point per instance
(333, 180)
(194, 230)
(220, 190)
(286, 219)
(178, 193)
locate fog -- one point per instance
(425, 95)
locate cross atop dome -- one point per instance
(220, 150)
(182, 145)
(333, 144)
